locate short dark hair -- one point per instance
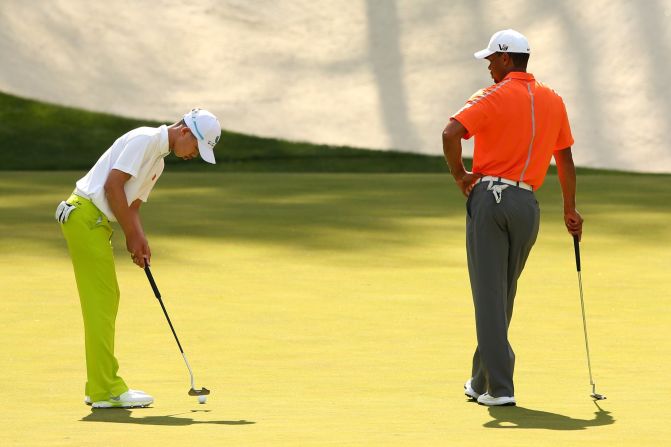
(520, 59)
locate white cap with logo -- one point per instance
(505, 41)
(207, 130)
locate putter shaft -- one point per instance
(584, 327)
(576, 246)
(193, 391)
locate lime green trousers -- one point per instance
(88, 234)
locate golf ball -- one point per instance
(202, 399)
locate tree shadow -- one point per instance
(519, 417)
(386, 59)
(124, 416)
(345, 213)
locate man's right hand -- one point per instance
(138, 247)
(467, 182)
(127, 216)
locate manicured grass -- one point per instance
(40, 136)
(333, 310)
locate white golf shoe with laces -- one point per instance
(486, 399)
(129, 399)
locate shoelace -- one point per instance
(497, 190)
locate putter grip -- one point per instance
(576, 247)
(152, 282)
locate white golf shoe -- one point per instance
(129, 399)
(469, 391)
(486, 399)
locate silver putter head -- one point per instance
(201, 392)
(597, 396)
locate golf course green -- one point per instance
(335, 310)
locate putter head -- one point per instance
(201, 392)
(597, 396)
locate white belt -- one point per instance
(489, 178)
(497, 190)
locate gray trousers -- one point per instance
(499, 237)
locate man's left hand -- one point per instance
(573, 221)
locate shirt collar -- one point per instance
(163, 148)
(520, 75)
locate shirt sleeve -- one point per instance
(474, 114)
(131, 156)
(564, 138)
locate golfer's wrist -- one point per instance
(133, 233)
(459, 174)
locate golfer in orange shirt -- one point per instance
(519, 124)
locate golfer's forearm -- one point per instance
(135, 215)
(452, 149)
(129, 221)
(567, 177)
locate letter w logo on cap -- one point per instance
(503, 47)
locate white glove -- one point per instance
(63, 212)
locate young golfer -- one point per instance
(113, 190)
(519, 124)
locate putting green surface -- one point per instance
(335, 310)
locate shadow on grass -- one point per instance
(332, 212)
(344, 212)
(519, 417)
(123, 416)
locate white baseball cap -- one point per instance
(505, 41)
(207, 130)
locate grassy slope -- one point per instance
(40, 136)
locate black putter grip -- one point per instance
(576, 247)
(151, 281)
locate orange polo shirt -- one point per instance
(518, 124)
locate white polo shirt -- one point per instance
(139, 153)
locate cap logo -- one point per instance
(503, 47)
(213, 143)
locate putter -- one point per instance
(193, 391)
(576, 246)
